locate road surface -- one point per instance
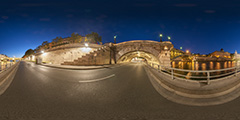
(119, 93)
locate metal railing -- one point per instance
(198, 75)
(4, 66)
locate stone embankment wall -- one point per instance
(65, 53)
(109, 53)
(101, 56)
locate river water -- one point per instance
(209, 65)
(203, 65)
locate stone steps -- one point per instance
(95, 57)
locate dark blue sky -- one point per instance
(202, 26)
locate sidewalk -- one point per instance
(71, 67)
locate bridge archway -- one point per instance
(151, 51)
(141, 56)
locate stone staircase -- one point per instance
(100, 56)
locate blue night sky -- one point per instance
(202, 26)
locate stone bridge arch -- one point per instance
(147, 56)
(158, 51)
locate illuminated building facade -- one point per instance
(220, 54)
(176, 52)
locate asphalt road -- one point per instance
(119, 93)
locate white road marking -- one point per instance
(95, 80)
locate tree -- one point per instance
(55, 39)
(68, 39)
(75, 37)
(94, 37)
(29, 52)
(45, 44)
(50, 45)
(79, 38)
(39, 48)
(60, 40)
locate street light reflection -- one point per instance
(44, 54)
(85, 49)
(165, 48)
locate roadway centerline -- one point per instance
(96, 80)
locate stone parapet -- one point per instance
(195, 93)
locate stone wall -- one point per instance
(101, 56)
(65, 53)
(78, 54)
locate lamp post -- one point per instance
(115, 36)
(160, 37)
(169, 38)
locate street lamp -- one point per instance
(160, 37)
(169, 38)
(115, 36)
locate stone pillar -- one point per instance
(165, 54)
(112, 53)
(164, 58)
(110, 56)
(38, 60)
(236, 58)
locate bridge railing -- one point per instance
(198, 75)
(4, 66)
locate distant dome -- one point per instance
(222, 50)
